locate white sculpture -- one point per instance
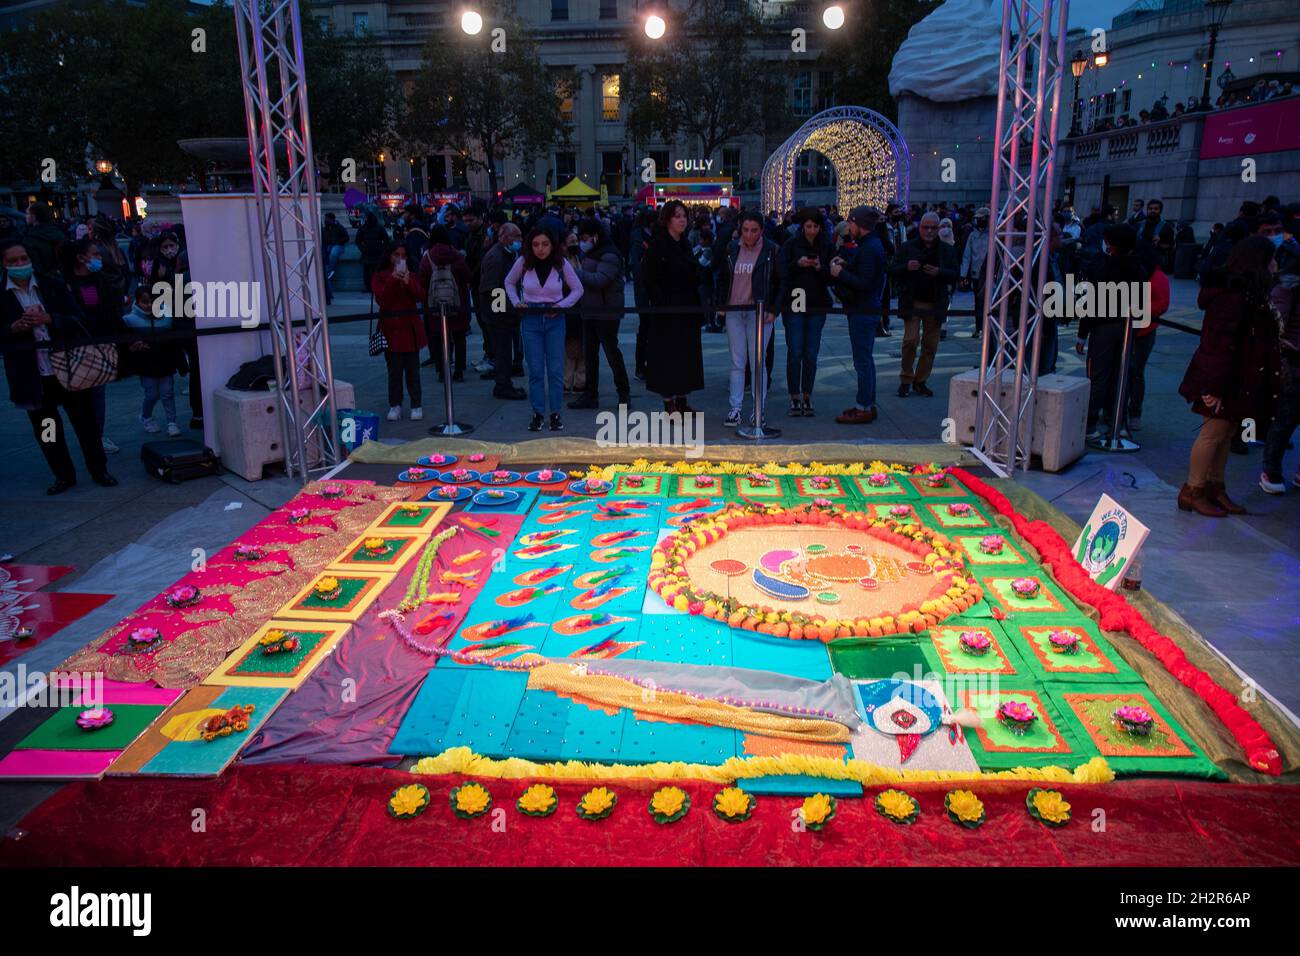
(952, 54)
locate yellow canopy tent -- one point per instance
(574, 192)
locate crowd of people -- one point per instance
(1261, 91)
(547, 291)
(81, 280)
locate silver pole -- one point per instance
(758, 431)
(452, 427)
(1115, 443)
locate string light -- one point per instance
(863, 158)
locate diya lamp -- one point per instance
(95, 718)
(976, 643)
(960, 509)
(879, 479)
(183, 595)
(1134, 720)
(1064, 642)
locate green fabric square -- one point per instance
(1010, 555)
(897, 488)
(860, 658)
(773, 489)
(401, 519)
(1168, 751)
(688, 486)
(61, 732)
(952, 658)
(283, 664)
(997, 748)
(1099, 663)
(652, 485)
(362, 556)
(953, 524)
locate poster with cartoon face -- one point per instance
(1109, 542)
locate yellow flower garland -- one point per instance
(609, 472)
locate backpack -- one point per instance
(444, 291)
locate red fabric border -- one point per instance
(336, 816)
(1116, 614)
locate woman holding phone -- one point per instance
(543, 285)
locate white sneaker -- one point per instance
(394, 413)
(1270, 486)
(150, 425)
(732, 419)
(417, 414)
(109, 447)
(173, 429)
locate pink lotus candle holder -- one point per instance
(976, 643)
(545, 475)
(900, 511)
(1131, 719)
(1064, 642)
(758, 479)
(937, 480)
(1026, 587)
(417, 474)
(299, 515)
(819, 481)
(992, 544)
(244, 552)
(705, 481)
(437, 459)
(634, 481)
(477, 457)
(1017, 716)
(878, 479)
(95, 718)
(143, 637)
(183, 595)
(334, 490)
(960, 509)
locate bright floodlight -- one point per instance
(471, 22)
(655, 26)
(833, 16)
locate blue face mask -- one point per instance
(516, 245)
(94, 265)
(21, 273)
(586, 246)
(1278, 239)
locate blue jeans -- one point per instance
(156, 389)
(803, 340)
(862, 341)
(332, 255)
(544, 355)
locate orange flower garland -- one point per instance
(668, 577)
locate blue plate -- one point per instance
(557, 473)
(580, 488)
(428, 462)
(511, 477)
(470, 475)
(429, 476)
(461, 493)
(508, 497)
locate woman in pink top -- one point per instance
(542, 285)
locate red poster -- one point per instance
(1267, 128)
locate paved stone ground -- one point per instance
(1249, 613)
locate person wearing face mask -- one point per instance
(600, 268)
(923, 267)
(1235, 373)
(168, 263)
(100, 302)
(399, 293)
(971, 271)
(501, 325)
(37, 307)
(156, 361)
(43, 237)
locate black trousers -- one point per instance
(403, 365)
(50, 432)
(196, 385)
(504, 340)
(600, 334)
(1105, 349)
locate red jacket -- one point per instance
(444, 255)
(1159, 299)
(403, 329)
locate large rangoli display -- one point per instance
(804, 632)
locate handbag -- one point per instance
(84, 366)
(378, 341)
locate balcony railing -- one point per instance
(1151, 140)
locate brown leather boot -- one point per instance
(1217, 492)
(1197, 499)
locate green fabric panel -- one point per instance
(957, 661)
(349, 588)
(1164, 751)
(362, 556)
(860, 658)
(61, 732)
(282, 664)
(1039, 747)
(1104, 666)
(777, 490)
(656, 485)
(1011, 559)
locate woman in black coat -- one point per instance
(98, 294)
(1235, 373)
(804, 269)
(674, 356)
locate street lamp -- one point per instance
(655, 26)
(1218, 12)
(471, 21)
(1078, 63)
(833, 16)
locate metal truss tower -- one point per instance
(1029, 94)
(288, 214)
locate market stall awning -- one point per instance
(575, 190)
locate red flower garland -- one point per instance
(1116, 614)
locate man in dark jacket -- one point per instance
(43, 238)
(501, 325)
(601, 272)
(1103, 335)
(39, 307)
(923, 269)
(859, 276)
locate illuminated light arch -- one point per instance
(867, 152)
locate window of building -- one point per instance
(360, 24)
(566, 167)
(437, 166)
(825, 90)
(660, 159)
(417, 176)
(564, 90)
(801, 102)
(609, 98)
(559, 9)
(731, 163)
(609, 9)
(1126, 101)
(459, 172)
(611, 171)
